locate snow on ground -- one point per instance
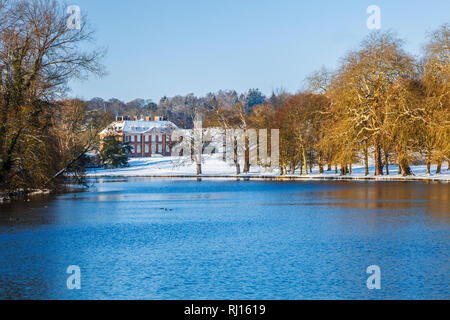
(215, 166)
(164, 166)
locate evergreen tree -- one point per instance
(114, 153)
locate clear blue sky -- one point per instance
(169, 47)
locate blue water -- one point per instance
(169, 239)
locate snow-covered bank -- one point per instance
(215, 167)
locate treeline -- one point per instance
(380, 101)
(179, 109)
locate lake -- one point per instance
(139, 238)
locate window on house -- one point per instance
(138, 138)
(159, 148)
(132, 138)
(132, 149)
(153, 138)
(146, 148)
(167, 148)
(146, 138)
(160, 137)
(138, 149)
(127, 138)
(153, 148)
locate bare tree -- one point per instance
(39, 54)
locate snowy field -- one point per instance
(215, 167)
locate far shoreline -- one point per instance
(281, 178)
(215, 168)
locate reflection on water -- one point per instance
(432, 198)
(177, 239)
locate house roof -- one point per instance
(139, 127)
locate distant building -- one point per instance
(145, 136)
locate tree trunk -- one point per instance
(7, 162)
(236, 157)
(293, 169)
(335, 169)
(247, 156)
(386, 162)
(366, 158)
(199, 169)
(378, 158)
(429, 163)
(62, 171)
(305, 162)
(439, 167)
(320, 164)
(329, 167)
(405, 168)
(246, 166)
(238, 168)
